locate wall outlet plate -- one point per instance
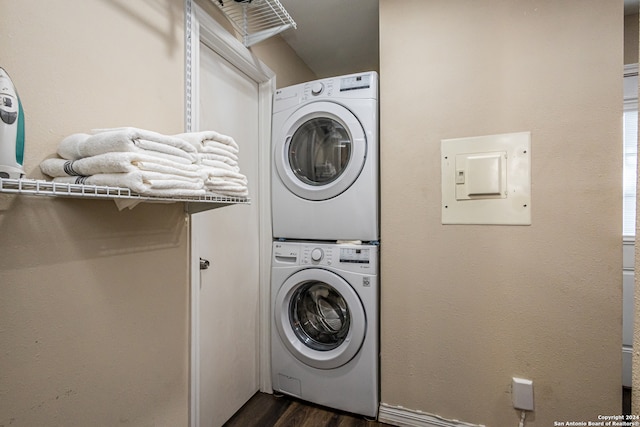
(522, 393)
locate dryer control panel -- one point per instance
(352, 86)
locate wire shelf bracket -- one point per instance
(54, 189)
(256, 20)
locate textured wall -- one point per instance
(94, 301)
(465, 308)
(289, 69)
(635, 403)
(94, 316)
(274, 52)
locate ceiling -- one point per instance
(336, 37)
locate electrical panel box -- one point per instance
(481, 176)
(487, 179)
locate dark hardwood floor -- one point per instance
(626, 401)
(267, 410)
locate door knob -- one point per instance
(204, 264)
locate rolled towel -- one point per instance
(82, 145)
(145, 183)
(210, 137)
(119, 162)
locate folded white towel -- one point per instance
(119, 162)
(220, 186)
(218, 152)
(210, 156)
(212, 180)
(209, 137)
(229, 192)
(224, 174)
(219, 164)
(145, 183)
(82, 145)
(208, 146)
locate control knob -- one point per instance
(317, 254)
(317, 88)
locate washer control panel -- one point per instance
(355, 255)
(317, 255)
(346, 256)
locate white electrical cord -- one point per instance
(522, 417)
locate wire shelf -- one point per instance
(256, 20)
(55, 189)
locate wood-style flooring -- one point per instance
(267, 410)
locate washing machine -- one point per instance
(325, 325)
(325, 155)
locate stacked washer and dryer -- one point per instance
(324, 275)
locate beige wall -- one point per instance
(465, 308)
(631, 34)
(94, 319)
(274, 52)
(289, 70)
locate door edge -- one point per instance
(199, 26)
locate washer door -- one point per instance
(320, 318)
(320, 151)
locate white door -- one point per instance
(320, 150)
(228, 238)
(320, 318)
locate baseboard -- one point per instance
(403, 417)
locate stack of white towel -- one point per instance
(149, 163)
(217, 155)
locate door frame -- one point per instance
(201, 27)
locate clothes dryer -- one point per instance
(325, 154)
(325, 327)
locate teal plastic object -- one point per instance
(20, 135)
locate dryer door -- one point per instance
(320, 151)
(320, 318)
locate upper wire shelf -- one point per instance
(50, 188)
(256, 20)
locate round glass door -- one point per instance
(320, 151)
(319, 318)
